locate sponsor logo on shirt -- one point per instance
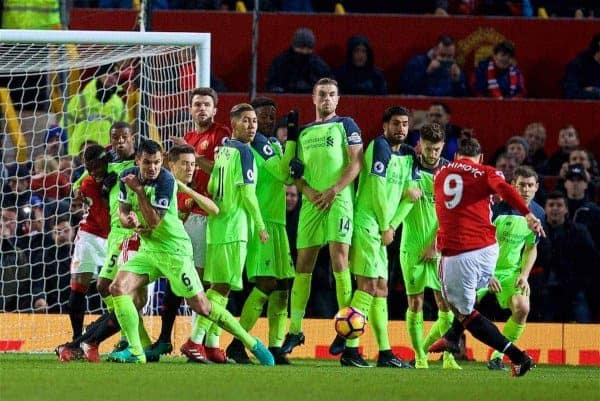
(267, 150)
(163, 202)
(330, 141)
(250, 175)
(378, 167)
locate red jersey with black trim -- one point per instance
(463, 193)
(97, 220)
(185, 204)
(206, 144)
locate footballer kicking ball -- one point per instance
(350, 322)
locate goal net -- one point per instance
(60, 90)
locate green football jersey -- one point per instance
(169, 235)
(113, 196)
(512, 234)
(273, 174)
(421, 223)
(322, 147)
(381, 183)
(234, 168)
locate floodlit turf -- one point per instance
(42, 377)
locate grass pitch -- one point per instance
(32, 377)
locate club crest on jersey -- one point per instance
(204, 145)
(378, 167)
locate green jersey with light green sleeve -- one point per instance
(113, 195)
(169, 235)
(421, 223)
(512, 234)
(273, 173)
(232, 185)
(382, 181)
(322, 147)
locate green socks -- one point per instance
(203, 324)
(145, 339)
(362, 301)
(129, 320)
(512, 330)
(277, 316)
(414, 324)
(343, 288)
(299, 300)
(213, 335)
(378, 318)
(225, 320)
(439, 328)
(253, 308)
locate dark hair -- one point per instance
(432, 132)
(570, 126)
(326, 81)
(525, 172)
(259, 102)
(556, 194)
(205, 92)
(469, 147)
(443, 106)
(238, 109)
(178, 150)
(394, 111)
(445, 40)
(505, 47)
(121, 125)
(149, 147)
(94, 153)
(595, 44)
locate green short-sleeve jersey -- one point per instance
(273, 173)
(381, 183)
(421, 223)
(234, 167)
(512, 234)
(169, 235)
(113, 195)
(322, 147)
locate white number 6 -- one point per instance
(453, 186)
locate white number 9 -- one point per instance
(453, 186)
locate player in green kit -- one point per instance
(418, 256)
(122, 154)
(331, 150)
(388, 169)
(268, 265)
(232, 185)
(148, 197)
(518, 251)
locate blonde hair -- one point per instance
(45, 164)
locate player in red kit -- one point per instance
(90, 244)
(466, 239)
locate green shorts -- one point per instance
(178, 269)
(225, 264)
(368, 257)
(418, 274)
(507, 282)
(113, 244)
(272, 259)
(318, 227)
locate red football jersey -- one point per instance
(185, 204)
(463, 193)
(206, 144)
(96, 221)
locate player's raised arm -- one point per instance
(204, 202)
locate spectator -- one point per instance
(358, 75)
(568, 139)
(70, 167)
(91, 113)
(580, 155)
(518, 147)
(434, 73)
(48, 182)
(498, 76)
(12, 262)
(56, 275)
(56, 141)
(17, 191)
(535, 134)
(565, 255)
(281, 130)
(292, 209)
(507, 164)
(576, 184)
(297, 69)
(582, 75)
(440, 113)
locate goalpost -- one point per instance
(41, 73)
